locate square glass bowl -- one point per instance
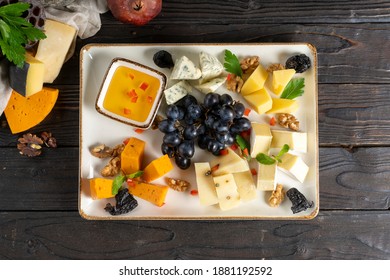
(131, 93)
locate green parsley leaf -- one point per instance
(264, 159)
(117, 183)
(243, 144)
(282, 151)
(293, 89)
(232, 64)
(135, 174)
(16, 32)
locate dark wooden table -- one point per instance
(39, 218)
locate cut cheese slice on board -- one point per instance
(23, 113)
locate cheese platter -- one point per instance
(241, 186)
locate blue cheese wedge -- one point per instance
(211, 86)
(210, 67)
(177, 92)
(185, 69)
(227, 192)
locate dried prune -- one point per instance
(300, 63)
(299, 201)
(125, 202)
(163, 59)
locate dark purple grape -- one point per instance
(230, 140)
(188, 100)
(222, 137)
(182, 162)
(209, 121)
(213, 146)
(244, 123)
(172, 139)
(211, 99)
(225, 99)
(182, 112)
(166, 150)
(239, 109)
(173, 112)
(167, 126)
(220, 126)
(190, 132)
(226, 113)
(189, 120)
(203, 141)
(186, 149)
(194, 111)
(200, 129)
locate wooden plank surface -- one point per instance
(64, 235)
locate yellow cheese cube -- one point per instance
(297, 141)
(294, 166)
(280, 105)
(206, 189)
(281, 79)
(157, 168)
(53, 49)
(153, 193)
(255, 81)
(101, 188)
(260, 139)
(132, 156)
(260, 101)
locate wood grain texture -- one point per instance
(59, 235)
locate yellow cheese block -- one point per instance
(153, 193)
(255, 81)
(132, 156)
(260, 101)
(53, 49)
(281, 79)
(157, 168)
(280, 105)
(23, 113)
(101, 188)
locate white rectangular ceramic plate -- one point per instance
(98, 129)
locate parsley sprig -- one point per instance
(120, 179)
(269, 160)
(232, 64)
(293, 89)
(16, 32)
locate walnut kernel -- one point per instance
(274, 67)
(177, 184)
(249, 64)
(288, 121)
(234, 83)
(277, 196)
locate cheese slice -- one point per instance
(53, 49)
(280, 79)
(229, 163)
(23, 113)
(206, 188)
(28, 79)
(297, 141)
(227, 192)
(260, 101)
(280, 105)
(294, 166)
(255, 81)
(266, 177)
(260, 138)
(245, 185)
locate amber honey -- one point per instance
(131, 94)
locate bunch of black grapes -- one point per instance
(213, 125)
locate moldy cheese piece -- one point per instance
(260, 139)
(255, 81)
(210, 67)
(29, 79)
(259, 100)
(157, 168)
(227, 193)
(185, 69)
(101, 188)
(23, 113)
(177, 92)
(153, 193)
(204, 180)
(132, 156)
(281, 79)
(52, 51)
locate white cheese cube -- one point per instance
(209, 66)
(245, 185)
(227, 193)
(296, 140)
(177, 92)
(266, 177)
(294, 166)
(260, 139)
(206, 188)
(229, 163)
(53, 49)
(185, 69)
(211, 86)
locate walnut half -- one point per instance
(288, 121)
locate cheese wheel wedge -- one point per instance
(23, 113)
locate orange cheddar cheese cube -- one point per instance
(23, 113)
(132, 155)
(153, 193)
(101, 188)
(157, 168)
